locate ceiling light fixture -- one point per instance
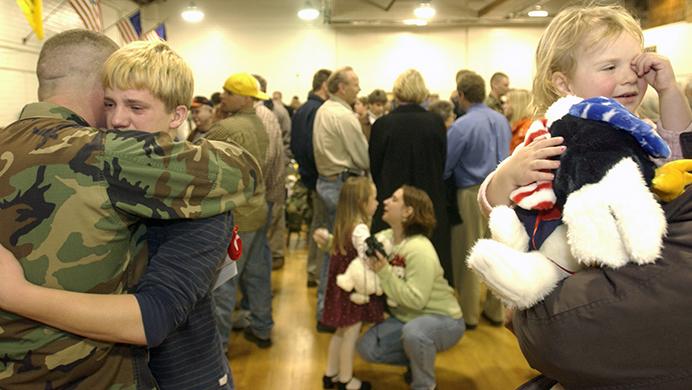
(424, 10)
(538, 12)
(192, 14)
(415, 22)
(308, 12)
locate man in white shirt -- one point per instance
(341, 150)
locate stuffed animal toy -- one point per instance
(360, 279)
(363, 281)
(598, 211)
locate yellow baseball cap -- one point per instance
(244, 84)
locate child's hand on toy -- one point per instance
(377, 262)
(656, 70)
(528, 164)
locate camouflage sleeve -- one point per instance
(150, 175)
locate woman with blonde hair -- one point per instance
(408, 146)
(517, 109)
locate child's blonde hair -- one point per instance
(351, 209)
(151, 66)
(570, 29)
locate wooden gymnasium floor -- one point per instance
(486, 358)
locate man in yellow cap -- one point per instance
(242, 126)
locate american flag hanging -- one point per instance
(90, 12)
(157, 33)
(130, 27)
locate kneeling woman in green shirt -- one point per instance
(426, 318)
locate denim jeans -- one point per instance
(329, 193)
(414, 343)
(315, 255)
(255, 269)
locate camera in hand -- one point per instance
(374, 246)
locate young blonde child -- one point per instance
(589, 52)
(354, 211)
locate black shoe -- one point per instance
(322, 328)
(471, 327)
(312, 283)
(328, 382)
(408, 376)
(364, 385)
(260, 342)
(491, 321)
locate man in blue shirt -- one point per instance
(476, 143)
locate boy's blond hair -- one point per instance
(151, 66)
(572, 28)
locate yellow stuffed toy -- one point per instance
(671, 179)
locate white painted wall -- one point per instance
(250, 36)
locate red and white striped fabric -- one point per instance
(151, 35)
(90, 12)
(538, 195)
(127, 31)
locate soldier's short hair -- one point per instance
(71, 58)
(339, 76)
(319, 78)
(472, 86)
(151, 66)
(497, 76)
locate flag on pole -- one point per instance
(33, 10)
(155, 34)
(90, 12)
(130, 27)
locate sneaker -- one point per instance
(260, 342)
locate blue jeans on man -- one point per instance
(414, 343)
(328, 190)
(255, 268)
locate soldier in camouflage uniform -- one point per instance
(94, 187)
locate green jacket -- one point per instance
(420, 287)
(72, 199)
(246, 129)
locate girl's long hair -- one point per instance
(351, 210)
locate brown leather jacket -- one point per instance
(629, 328)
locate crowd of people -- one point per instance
(112, 268)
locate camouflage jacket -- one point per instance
(246, 129)
(71, 198)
